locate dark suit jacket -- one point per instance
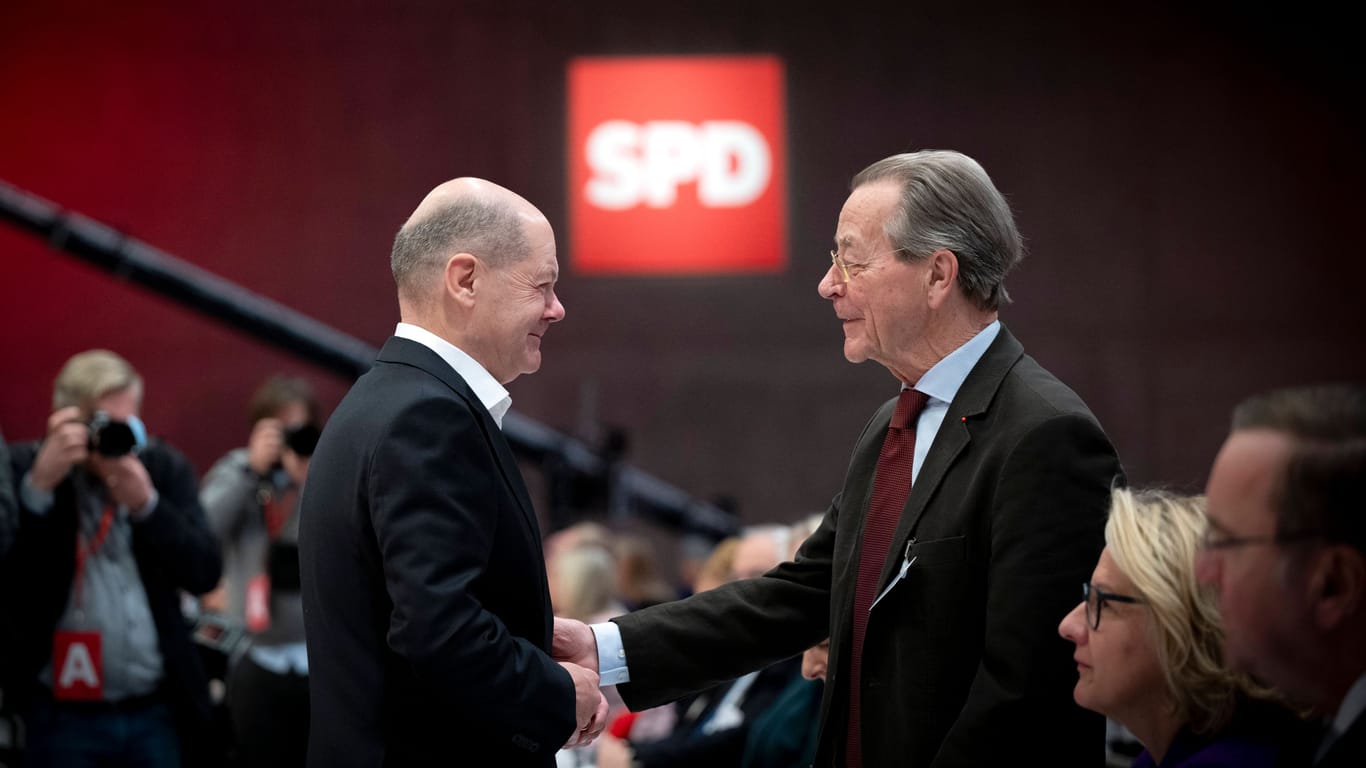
(426, 609)
(174, 550)
(963, 665)
(1349, 751)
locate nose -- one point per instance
(555, 312)
(1073, 625)
(830, 285)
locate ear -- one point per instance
(1337, 586)
(459, 278)
(941, 277)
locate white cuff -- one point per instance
(612, 669)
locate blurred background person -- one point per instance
(639, 582)
(1149, 645)
(268, 688)
(251, 495)
(97, 653)
(1286, 551)
(786, 734)
(712, 726)
(716, 569)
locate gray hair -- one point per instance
(90, 375)
(948, 202)
(492, 231)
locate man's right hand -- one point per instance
(67, 444)
(574, 642)
(590, 706)
(266, 444)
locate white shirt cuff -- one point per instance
(612, 668)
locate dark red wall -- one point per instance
(1189, 183)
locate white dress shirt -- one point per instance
(490, 393)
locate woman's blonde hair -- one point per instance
(1153, 537)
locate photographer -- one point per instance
(97, 655)
(251, 496)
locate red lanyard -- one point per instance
(87, 548)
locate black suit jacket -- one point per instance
(426, 609)
(174, 550)
(963, 665)
(1349, 751)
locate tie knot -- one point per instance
(908, 407)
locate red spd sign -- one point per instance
(677, 165)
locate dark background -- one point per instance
(1188, 180)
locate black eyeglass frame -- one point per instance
(1101, 597)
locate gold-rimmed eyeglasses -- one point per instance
(857, 267)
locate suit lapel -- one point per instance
(407, 352)
(973, 399)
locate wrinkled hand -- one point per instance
(590, 706)
(66, 445)
(266, 444)
(127, 480)
(575, 643)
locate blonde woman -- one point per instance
(1148, 644)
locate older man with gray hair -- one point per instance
(972, 508)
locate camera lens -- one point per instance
(302, 439)
(112, 439)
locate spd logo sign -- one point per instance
(677, 165)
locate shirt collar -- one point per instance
(943, 381)
(490, 393)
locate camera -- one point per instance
(110, 438)
(302, 439)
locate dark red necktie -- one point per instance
(891, 486)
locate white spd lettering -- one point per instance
(636, 164)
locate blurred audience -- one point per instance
(639, 582)
(583, 583)
(713, 725)
(716, 569)
(96, 652)
(1286, 551)
(251, 495)
(1149, 645)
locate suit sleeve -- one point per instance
(437, 499)
(176, 536)
(1047, 526)
(691, 645)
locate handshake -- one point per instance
(576, 649)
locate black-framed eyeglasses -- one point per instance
(1095, 600)
(1216, 539)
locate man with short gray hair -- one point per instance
(973, 507)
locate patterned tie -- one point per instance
(891, 486)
